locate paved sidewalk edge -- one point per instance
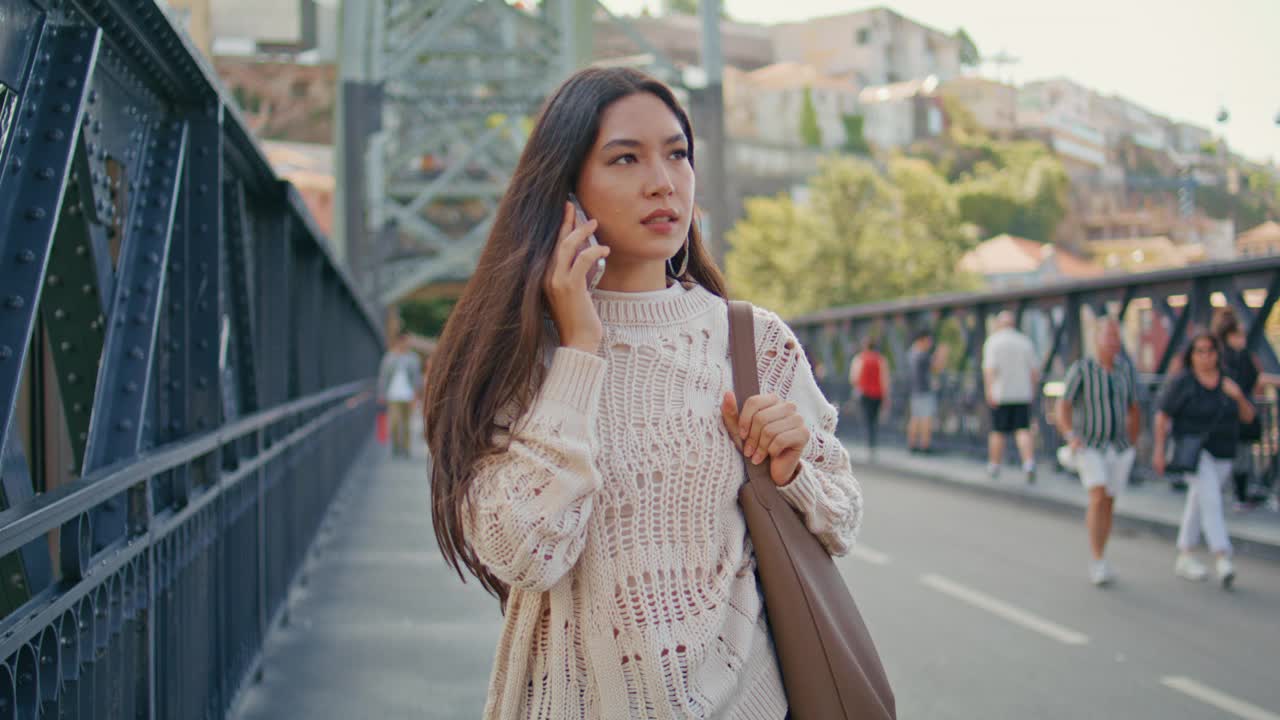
(257, 667)
(1245, 543)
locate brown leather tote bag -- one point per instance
(830, 667)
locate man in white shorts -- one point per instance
(1098, 415)
(1011, 370)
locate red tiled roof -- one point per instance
(1267, 232)
(1009, 254)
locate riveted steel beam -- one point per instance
(73, 313)
(240, 241)
(134, 312)
(33, 181)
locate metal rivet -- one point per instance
(45, 174)
(36, 213)
(54, 281)
(15, 302)
(124, 425)
(5, 352)
(55, 135)
(77, 407)
(131, 387)
(72, 378)
(66, 346)
(26, 256)
(81, 249)
(137, 353)
(86, 289)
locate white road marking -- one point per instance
(1002, 609)
(875, 557)
(1218, 699)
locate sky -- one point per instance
(1179, 58)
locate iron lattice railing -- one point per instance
(185, 372)
(1158, 312)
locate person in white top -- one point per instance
(399, 380)
(586, 450)
(1011, 370)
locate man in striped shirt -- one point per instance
(1098, 415)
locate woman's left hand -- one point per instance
(768, 427)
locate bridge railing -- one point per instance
(1158, 312)
(185, 372)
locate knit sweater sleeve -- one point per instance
(825, 490)
(529, 504)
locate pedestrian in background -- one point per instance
(922, 364)
(1200, 404)
(1012, 374)
(1243, 367)
(1098, 415)
(399, 380)
(869, 376)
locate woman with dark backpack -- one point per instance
(1243, 367)
(869, 376)
(587, 452)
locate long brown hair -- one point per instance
(490, 352)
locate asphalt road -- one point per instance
(981, 610)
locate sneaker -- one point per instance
(1187, 566)
(1226, 572)
(1100, 573)
(1030, 470)
(993, 472)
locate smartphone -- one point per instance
(594, 274)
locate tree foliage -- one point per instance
(426, 317)
(690, 7)
(860, 236)
(855, 140)
(962, 124)
(1019, 188)
(969, 55)
(810, 132)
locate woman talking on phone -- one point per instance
(586, 448)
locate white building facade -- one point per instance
(871, 47)
(766, 105)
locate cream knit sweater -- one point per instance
(613, 515)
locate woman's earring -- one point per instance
(684, 262)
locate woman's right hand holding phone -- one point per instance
(565, 285)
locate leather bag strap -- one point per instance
(746, 384)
